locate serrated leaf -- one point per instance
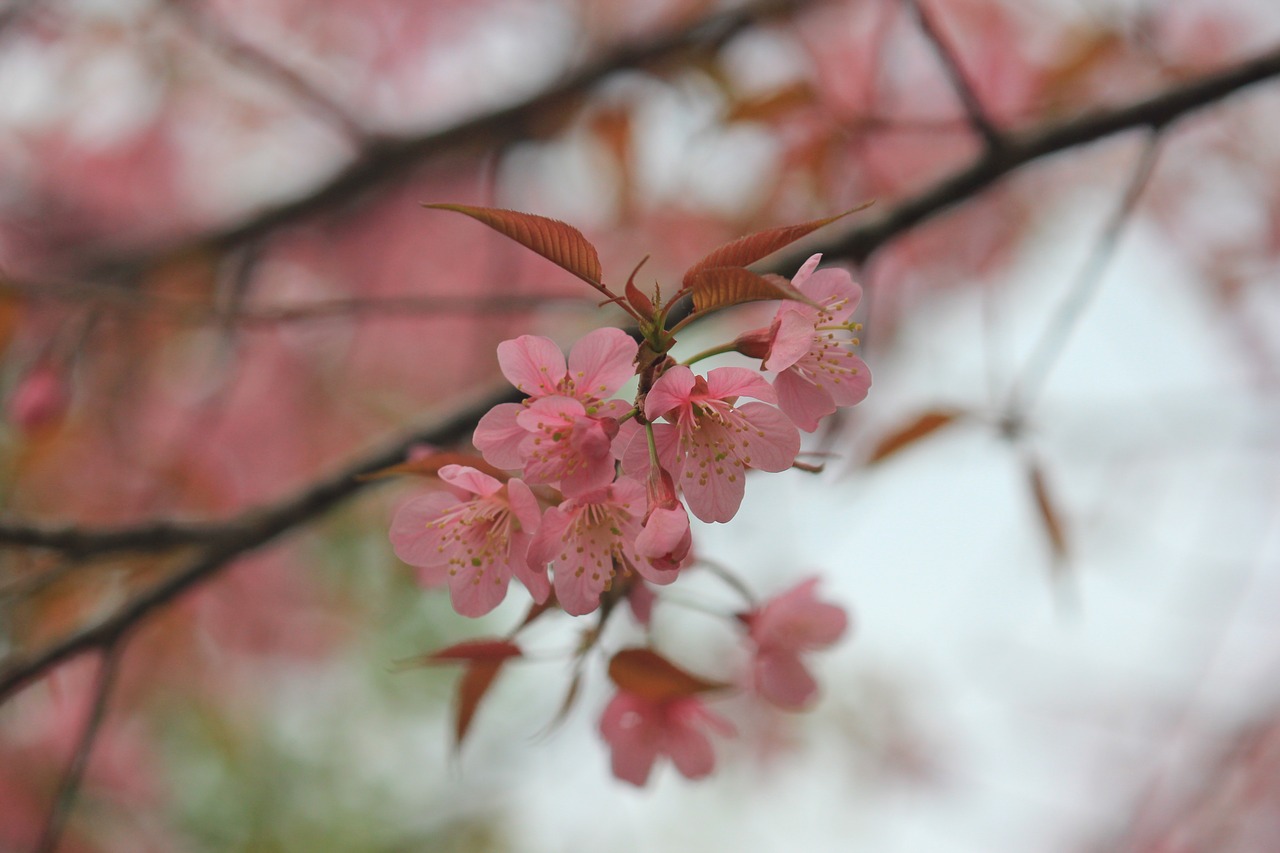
(914, 430)
(650, 676)
(475, 683)
(751, 248)
(484, 660)
(720, 287)
(557, 241)
(430, 465)
(464, 652)
(1047, 509)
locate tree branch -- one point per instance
(1018, 150)
(65, 798)
(223, 542)
(976, 113)
(387, 159)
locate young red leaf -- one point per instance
(751, 248)
(484, 659)
(650, 676)
(475, 683)
(720, 287)
(558, 242)
(912, 431)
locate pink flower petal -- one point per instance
(476, 590)
(498, 436)
(463, 477)
(782, 679)
(410, 538)
(628, 727)
(792, 340)
(775, 443)
(835, 290)
(725, 382)
(671, 391)
(851, 381)
(664, 542)
(803, 402)
(806, 270)
(533, 364)
(602, 362)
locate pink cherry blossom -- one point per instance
(784, 627)
(598, 365)
(564, 445)
(474, 538)
(588, 539)
(711, 441)
(640, 730)
(666, 539)
(810, 347)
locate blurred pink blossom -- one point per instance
(640, 730)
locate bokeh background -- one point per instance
(218, 287)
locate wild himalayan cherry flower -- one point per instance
(711, 441)
(666, 539)
(474, 539)
(589, 538)
(809, 347)
(562, 431)
(638, 730)
(781, 629)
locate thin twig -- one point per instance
(977, 114)
(64, 800)
(1155, 113)
(255, 528)
(223, 542)
(391, 158)
(242, 54)
(1064, 320)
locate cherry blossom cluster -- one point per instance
(585, 498)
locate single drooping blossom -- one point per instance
(809, 347)
(666, 539)
(783, 628)
(639, 730)
(474, 538)
(711, 441)
(558, 430)
(589, 538)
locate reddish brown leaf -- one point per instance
(484, 660)
(475, 683)
(912, 431)
(753, 247)
(465, 652)
(558, 242)
(429, 466)
(1047, 508)
(651, 676)
(720, 287)
(476, 650)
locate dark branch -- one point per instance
(392, 158)
(247, 532)
(977, 114)
(65, 798)
(224, 542)
(1018, 150)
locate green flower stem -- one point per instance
(707, 353)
